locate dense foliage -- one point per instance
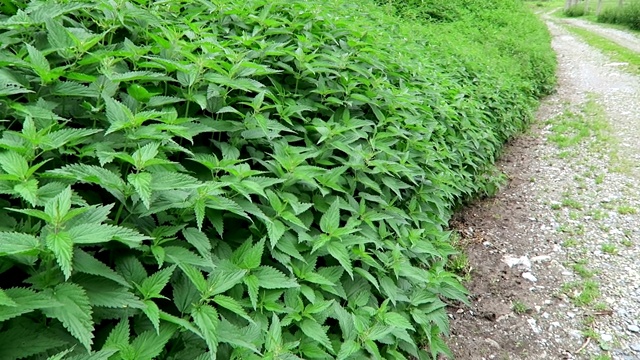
(627, 15)
(246, 179)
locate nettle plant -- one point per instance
(233, 179)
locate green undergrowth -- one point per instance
(247, 179)
(627, 15)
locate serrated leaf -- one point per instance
(397, 320)
(252, 284)
(38, 62)
(58, 207)
(75, 312)
(5, 300)
(330, 221)
(221, 280)
(27, 301)
(57, 139)
(70, 88)
(131, 269)
(340, 253)
(248, 256)
(85, 263)
(105, 293)
(315, 331)
(347, 349)
(199, 240)
(275, 230)
(61, 245)
(142, 184)
(28, 190)
(14, 164)
(24, 339)
(232, 305)
(271, 278)
(144, 154)
(206, 319)
(118, 115)
(195, 276)
(108, 180)
(153, 285)
(274, 336)
(119, 336)
(149, 344)
(13, 243)
(173, 180)
(153, 314)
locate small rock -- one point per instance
(541, 258)
(633, 328)
(571, 315)
(534, 326)
(529, 276)
(635, 347)
(606, 337)
(512, 261)
(492, 343)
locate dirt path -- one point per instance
(620, 37)
(567, 222)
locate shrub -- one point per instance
(628, 15)
(574, 11)
(242, 179)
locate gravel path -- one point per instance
(570, 216)
(620, 37)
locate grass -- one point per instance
(519, 307)
(582, 293)
(582, 270)
(627, 210)
(609, 249)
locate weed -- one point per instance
(609, 249)
(519, 307)
(627, 210)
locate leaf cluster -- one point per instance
(233, 179)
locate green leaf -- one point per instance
(26, 300)
(275, 230)
(153, 313)
(131, 269)
(24, 339)
(153, 285)
(397, 320)
(119, 336)
(17, 243)
(347, 349)
(142, 184)
(206, 319)
(330, 221)
(248, 256)
(149, 344)
(58, 207)
(14, 164)
(85, 263)
(199, 240)
(75, 312)
(340, 253)
(118, 115)
(28, 190)
(62, 246)
(315, 331)
(39, 63)
(221, 280)
(274, 335)
(143, 155)
(271, 278)
(105, 293)
(59, 37)
(5, 300)
(233, 305)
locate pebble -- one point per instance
(633, 328)
(635, 347)
(606, 337)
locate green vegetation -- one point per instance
(248, 179)
(609, 249)
(520, 307)
(627, 15)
